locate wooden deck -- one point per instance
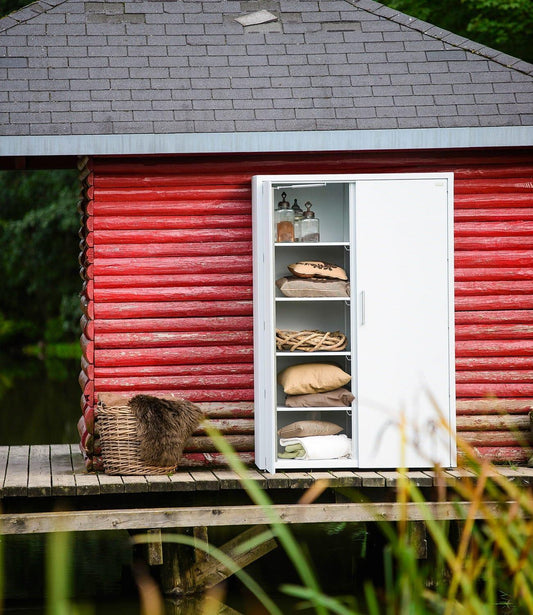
(46, 488)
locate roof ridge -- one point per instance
(27, 12)
(428, 29)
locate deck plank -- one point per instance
(416, 477)
(371, 479)
(182, 481)
(279, 480)
(159, 482)
(205, 480)
(135, 484)
(228, 479)
(39, 473)
(86, 483)
(63, 481)
(4, 452)
(459, 474)
(520, 475)
(256, 476)
(419, 478)
(438, 478)
(16, 480)
(346, 478)
(299, 480)
(109, 483)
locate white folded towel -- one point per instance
(322, 447)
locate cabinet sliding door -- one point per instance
(405, 389)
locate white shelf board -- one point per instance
(315, 408)
(309, 244)
(317, 353)
(314, 464)
(309, 299)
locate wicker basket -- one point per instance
(117, 427)
(310, 341)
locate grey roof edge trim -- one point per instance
(241, 142)
(445, 36)
(27, 12)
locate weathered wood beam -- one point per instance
(159, 518)
(210, 572)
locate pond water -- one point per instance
(40, 404)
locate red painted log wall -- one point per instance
(168, 310)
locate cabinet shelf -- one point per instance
(316, 409)
(311, 299)
(314, 244)
(296, 464)
(301, 353)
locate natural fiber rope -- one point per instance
(117, 427)
(310, 341)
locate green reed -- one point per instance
(486, 569)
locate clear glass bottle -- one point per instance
(310, 225)
(298, 217)
(284, 221)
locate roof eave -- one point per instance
(290, 141)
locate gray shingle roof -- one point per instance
(73, 67)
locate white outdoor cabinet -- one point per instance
(393, 235)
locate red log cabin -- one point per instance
(171, 119)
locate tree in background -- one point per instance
(39, 300)
(506, 25)
(8, 6)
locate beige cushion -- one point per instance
(312, 378)
(114, 399)
(317, 269)
(302, 429)
(337, 397)
(292, 286)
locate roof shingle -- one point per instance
(133, 67)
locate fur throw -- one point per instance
(163, 427)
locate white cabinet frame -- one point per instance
(394, 233)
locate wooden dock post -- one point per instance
(187, 570)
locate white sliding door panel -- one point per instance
(403, 318)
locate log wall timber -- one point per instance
(89, 444)
(166, 262)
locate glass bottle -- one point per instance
(284, 221)
(310, 225)
(298, 216)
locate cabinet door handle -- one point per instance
(362, 306)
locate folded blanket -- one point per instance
(293, 451)
(321, 447)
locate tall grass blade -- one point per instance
(280, 530)
(58, 573)
(371, 599)
(333, 605)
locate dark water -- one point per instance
(40, 404)
(39, 400)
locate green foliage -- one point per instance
(503, 24)
(38, 255)
(487, 568)
(8, 6)
(506, 25)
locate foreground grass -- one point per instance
(485, 569)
